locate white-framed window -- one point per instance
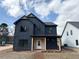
(71, 32)
(67, 33)
(77, 42)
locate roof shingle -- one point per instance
(49, 23)
(76, 24)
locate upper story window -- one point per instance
(67, 34)
(50, 30)
(71, 32)
(39, 29)
(23, 29)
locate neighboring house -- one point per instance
(33, 34)
(70, 35)
(9, 39)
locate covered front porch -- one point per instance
(45, 43)
(38, 43)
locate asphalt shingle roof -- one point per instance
(49, 23)
(76, 24)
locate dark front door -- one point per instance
(51, 43)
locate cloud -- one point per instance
(12, 6)
(11, 30)
(67, 12)
(44, 9)
(41, 7)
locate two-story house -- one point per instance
(33, 34)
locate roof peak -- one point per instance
(28, 15)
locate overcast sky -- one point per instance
(57, 11)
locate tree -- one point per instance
(4, 31)
(4, 25)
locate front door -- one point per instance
(51, 43)
(38, 44)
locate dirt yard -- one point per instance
(70, 53)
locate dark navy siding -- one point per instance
(34, 27)
(53, 30)
(39, 26)
(23, 35)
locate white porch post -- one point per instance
(59, 43)
(45, 43)
(32, 44)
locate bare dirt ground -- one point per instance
(67, 53)
(7, 46)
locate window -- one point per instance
(67, 33)
(76, 42)
(38, 43)
(23, 43)
(38, 28)
(71, 32)
(23, 29)
(50, 30)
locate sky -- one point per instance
(57, 11)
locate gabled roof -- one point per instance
(49, 23)
(74, 23)
(25, 17)
(31, 15)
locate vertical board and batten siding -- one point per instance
(27, 35)
(35, 27)
(40, 25)
(70, 40)
(23, 35)
(53, 32)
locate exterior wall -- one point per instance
(70, 40)
(23, 35)
(27, 35)
(40, 27)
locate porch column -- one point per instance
(45, 43)
(32, 44)
(59, 43)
